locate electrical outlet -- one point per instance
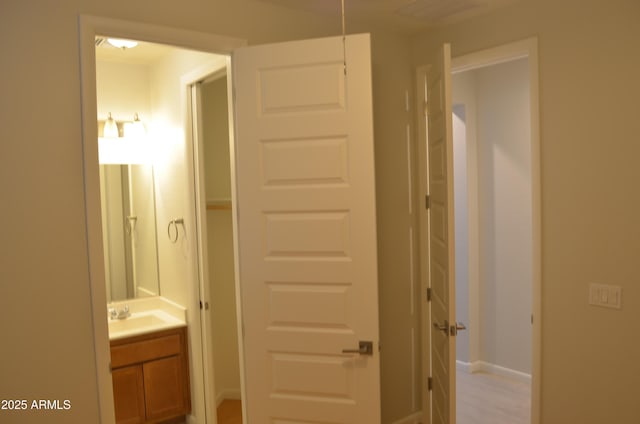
(605, 295)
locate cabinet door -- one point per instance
(165, 394)
(128, 395)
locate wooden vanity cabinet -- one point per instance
(128, 395)
(150, 376)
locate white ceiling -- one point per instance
(406, 16)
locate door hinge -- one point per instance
(204, 305)
(427, 202)
(425, 108)
(428, 294)
(430, 383)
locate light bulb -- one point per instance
(110, 128)
(135, 129)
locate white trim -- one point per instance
(493, 369)
(423, 234)
(524, 48)
(415, 418)
(494, 56)
(89, 27)
(190, 97)
(462, 366)
(233, 394)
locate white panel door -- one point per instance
(441, 238)
(306, 231)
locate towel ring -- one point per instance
(174, 223)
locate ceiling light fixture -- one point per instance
(122, 44)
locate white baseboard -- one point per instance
(415, 418)
(486, 367)
(462, 366)
(228, 394)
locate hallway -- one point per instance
(489, 399)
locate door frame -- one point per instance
(88, 27)
(191, 90)
(524, 48)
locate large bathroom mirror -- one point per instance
(129, 229)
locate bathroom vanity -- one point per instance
(149, 362)
(150, 375)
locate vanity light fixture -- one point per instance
(133, 148)
(135, 129)
(122, 44)
(110, 129)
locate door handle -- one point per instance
(442, 327)
(458, 327)
(364, 348)
(453, 329)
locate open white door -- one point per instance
(306, 231)
(438, 240)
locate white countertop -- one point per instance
(146, 315)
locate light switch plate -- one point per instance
(605, 295)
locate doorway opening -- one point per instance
(308, 248)
(479, 220)
(211, 120)
(160, 95)
(493, 241)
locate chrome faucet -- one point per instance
(119, 313)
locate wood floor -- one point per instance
(489, 399)
(230, 412)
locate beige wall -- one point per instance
(45, 303)
(154, 91)
(168, 99)
(466, 215)
(588, 67)
(123, 89)
(504, 195)
(461, 216)
(399, 301)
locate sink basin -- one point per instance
(142, 323)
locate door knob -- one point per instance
(364, 348)
(458, 327)
(442, 327)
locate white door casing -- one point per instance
(306, 231)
